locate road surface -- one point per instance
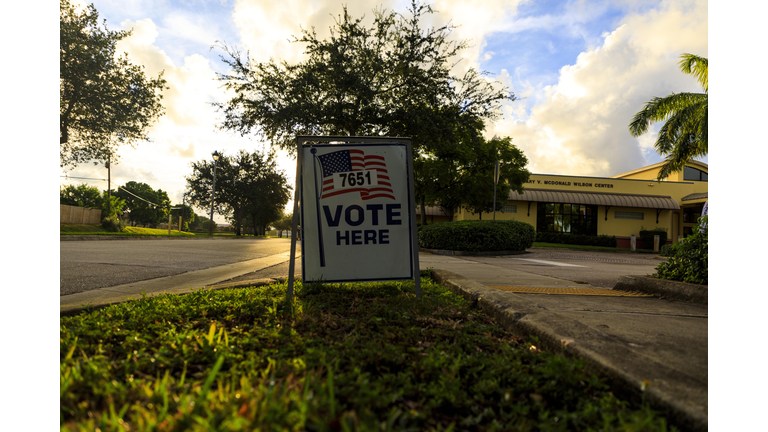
(90, 265)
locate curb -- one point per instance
(571, 338)
(684, 291)
(221, 286)
(468, 253)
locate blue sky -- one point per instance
(580, 69)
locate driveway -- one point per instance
(599, 269)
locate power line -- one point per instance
(83, 178)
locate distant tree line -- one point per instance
(250, 190)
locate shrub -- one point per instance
(576, 239)
(647, 237)
(690, 261)
(668, 250)
(113, 224)
(477, 236)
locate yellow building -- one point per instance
(619, 206)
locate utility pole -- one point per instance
(495, 183)
(109, 185)
(213, 191)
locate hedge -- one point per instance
(647, 237)
(477, 236)
(576, 239)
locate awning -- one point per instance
(694, 196)
(596, 198)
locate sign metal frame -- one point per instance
(298, 206)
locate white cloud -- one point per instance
(581, 124)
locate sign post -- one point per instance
(357, 210)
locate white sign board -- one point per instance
(356, 213)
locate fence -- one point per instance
(78, 215)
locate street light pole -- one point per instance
(213, 192)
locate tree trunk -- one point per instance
(423, 212)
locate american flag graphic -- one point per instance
(355, 160)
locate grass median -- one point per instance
(340, 357)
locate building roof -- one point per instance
(658, 165)
(596, 198)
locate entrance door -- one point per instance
(675, 226)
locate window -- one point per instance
(567, 218)
(509, 208)
(693, 174)
(692, 214)
(629, 215)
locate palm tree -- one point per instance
(684, 134)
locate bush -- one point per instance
(576, 239)
(647, 237)
(690, 260)
(668, 250)
(113, 224)
(477, 236)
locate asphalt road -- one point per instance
(89, 265)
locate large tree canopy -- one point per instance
(143, 204)
(465, 179)
(104, 101)
(389, 79)
(684, 133)
(247, 185)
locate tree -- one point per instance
(387, 79)
(104, 100)
(80, 196)
(285, 223)
(684, 133)
(89, 196)
(267, 198)
(466, 177)
(477, 183)
(186, 213)
(143, 204)
(246, 184)
(199, 223)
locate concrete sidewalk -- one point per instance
(650, 347)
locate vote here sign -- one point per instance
(356, 213)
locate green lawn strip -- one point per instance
(66, 229)
(85, 229)
(342, 357)
(585, 247)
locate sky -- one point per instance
(580, 71)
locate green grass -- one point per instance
(88, 229)
(356, 357)
(129, 231)
(584, 247)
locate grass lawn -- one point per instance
(594, 248)
(98, 229)
(133, 231)
(341, 357)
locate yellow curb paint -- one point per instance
(569, 291)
